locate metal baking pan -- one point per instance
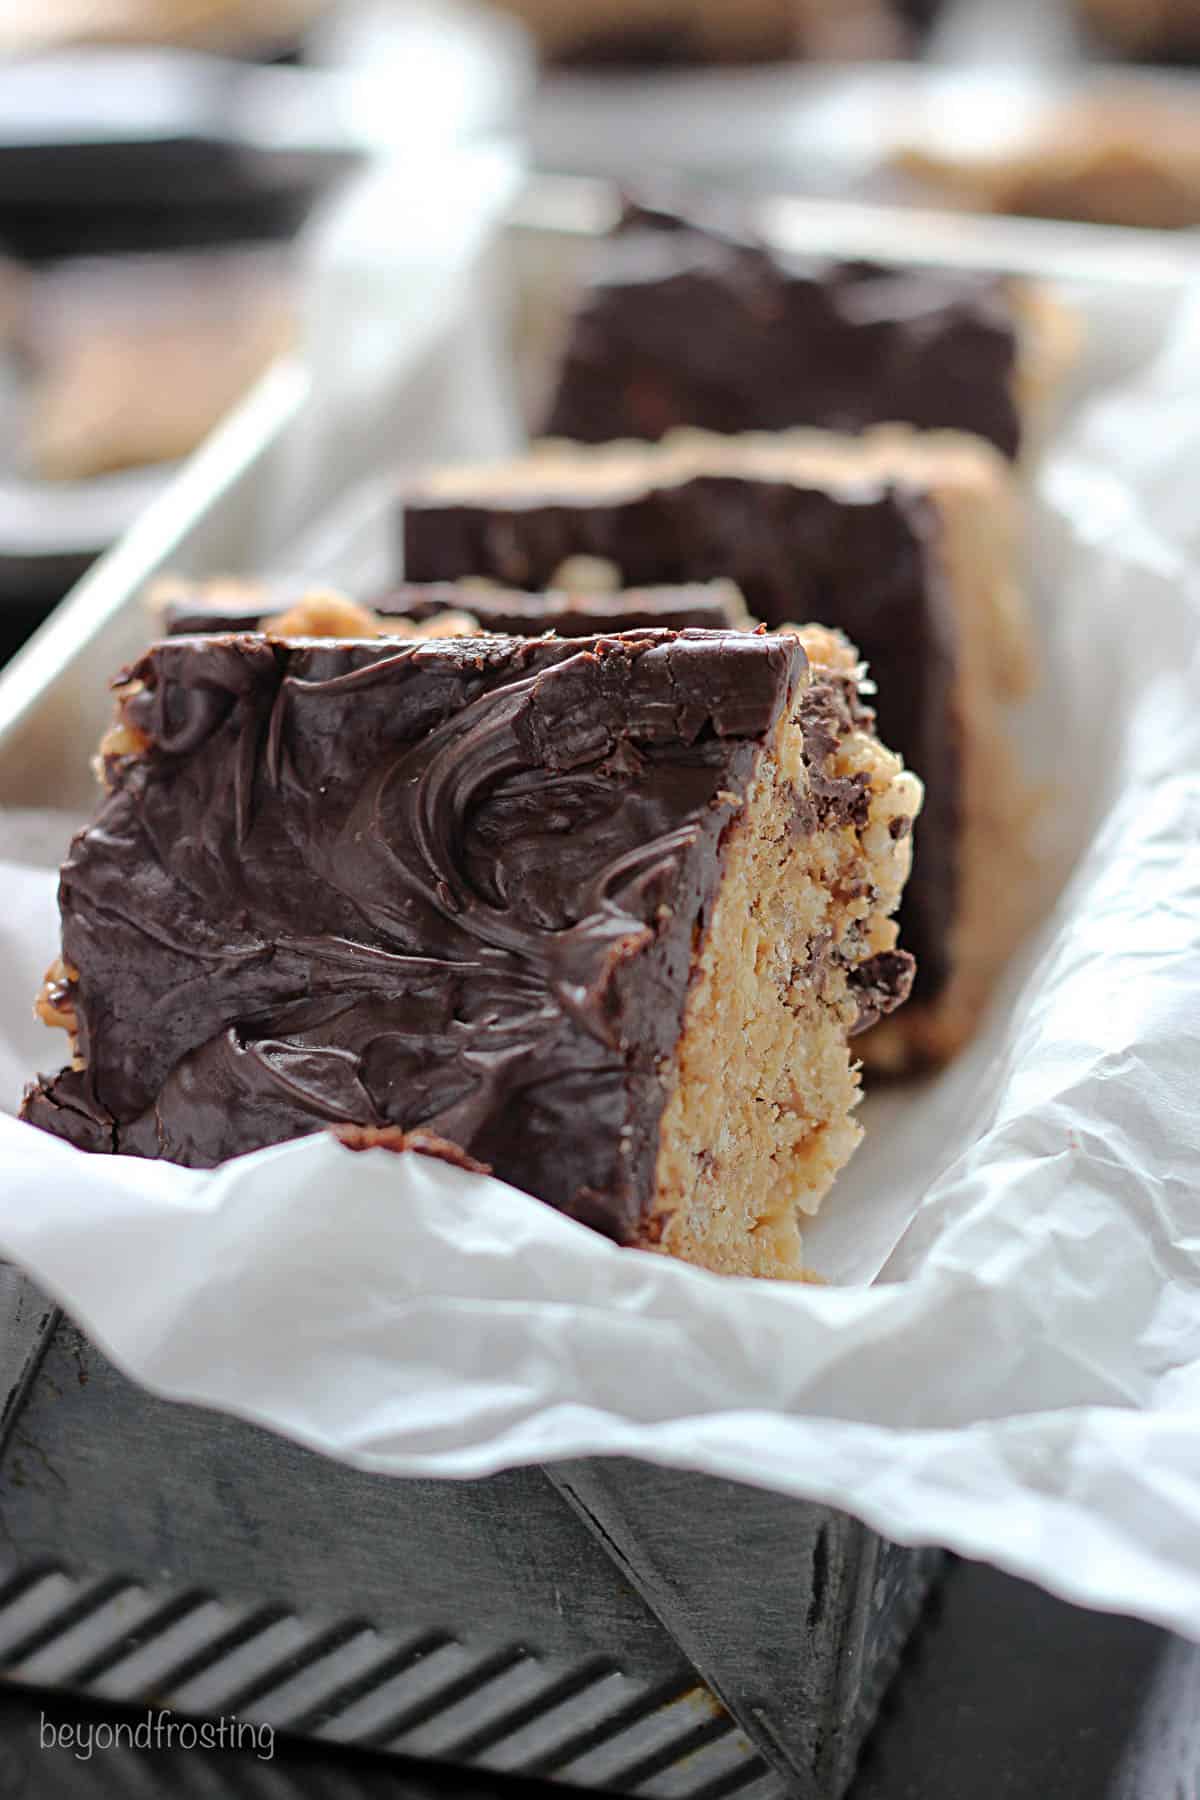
(547, 1622)
(604, 1623)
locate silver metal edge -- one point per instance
(581, 206)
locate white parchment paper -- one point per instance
(1007, 1360)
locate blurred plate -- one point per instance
(111, 149)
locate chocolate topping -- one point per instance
(218, 607)
(710, 606)
(683, 323)
(882, 984)
(450, 885)
(862, 557)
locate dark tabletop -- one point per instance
(1006, 1694)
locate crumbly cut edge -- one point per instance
(759, 1115)
(979, 547)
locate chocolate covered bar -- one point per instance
(604, 914)
(589, 605)
(905, 541)
(584, 599)
(695, 321)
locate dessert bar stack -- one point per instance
(906, 541)
(577, 850)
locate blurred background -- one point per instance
(162, 160)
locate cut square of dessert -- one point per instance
(696, 320)
(905, 541)
(604, 914)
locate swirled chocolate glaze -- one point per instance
(453, 885)
(862, 556)
(684, 323)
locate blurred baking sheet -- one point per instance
(572, 211)
(104, 153)
(111, 369)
